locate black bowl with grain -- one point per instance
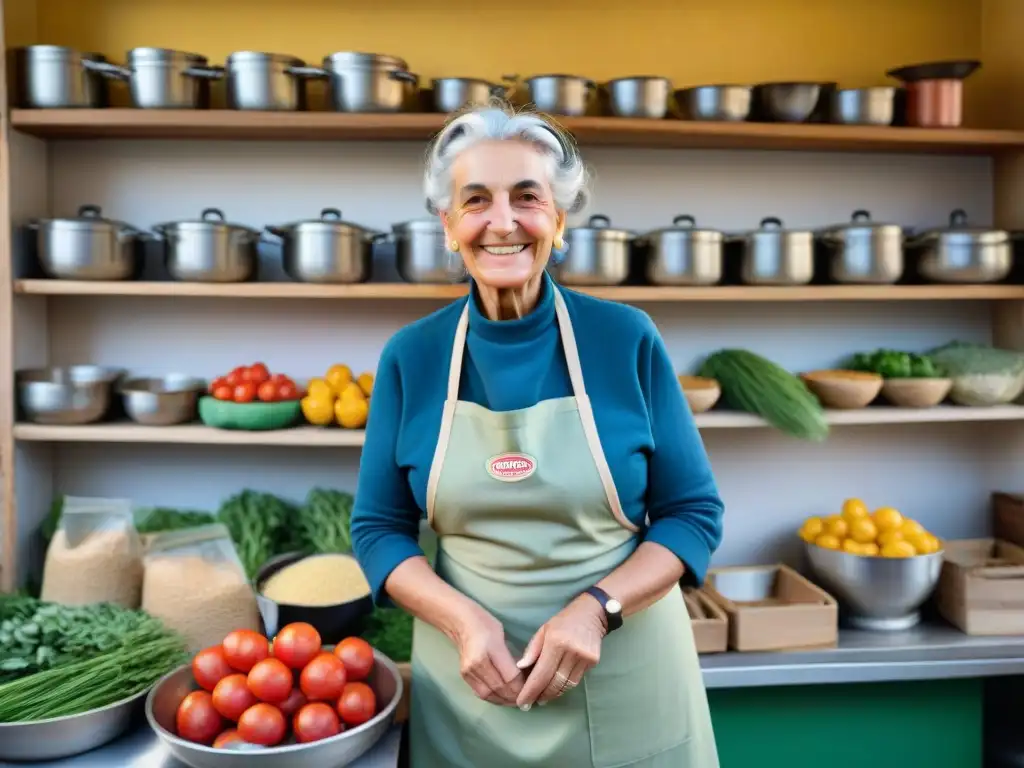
(334, 622)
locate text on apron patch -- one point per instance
(511, 467)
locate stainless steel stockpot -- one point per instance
(365, 82)
(862, 251)
(961, 253)
(421, 254)
(642, 96)
(683, 254)
(597, 254)
(87, 246)
(326, 250)
(209, 250)
(265, 81)
(161, 78)
(773, 255)
(567, 95)
(56, 77)
(454, 93)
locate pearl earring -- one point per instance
(454, 245)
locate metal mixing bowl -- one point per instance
(162, 401)
(335, 752)
(79, 394)
(877, 592)
(61, 737)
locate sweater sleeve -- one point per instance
(385, 517)
(683, 503)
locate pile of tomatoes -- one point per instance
(248, 383)
(258, 693)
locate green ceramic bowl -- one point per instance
(224, 414)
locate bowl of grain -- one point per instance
(843, 389)
(328, 591)
(701, 393)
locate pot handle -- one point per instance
(205, 73)
(105, 68)
(599, 221)
(684, 220)
(382, 237)
(90, 211)
(860, 215)
(314, 73)
(958, 218)
(330, 214)
(404, 77)
(770, 222)
(212, 214)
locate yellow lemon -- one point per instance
(352, 412)
(888, 519)
(863, 531)
(911, 527)
(338, 376)
(887, 537)
(318, 410)
(351, 391)
(851, 547)
(870, 549)
(836, 526)
(924, 543)
(899, 549)
(854, 509)
(812, 528)
(365, 382)
(319, 389)
(827, 541)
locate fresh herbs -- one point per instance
(261, 527)
(894, 364)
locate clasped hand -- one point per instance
(555, 660)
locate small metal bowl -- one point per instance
(336, 751)
(879, 593)
(78, 394)
(719, 103)
(162, 401)
(333, 622)
(60, 737)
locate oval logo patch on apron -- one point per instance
(511, 467)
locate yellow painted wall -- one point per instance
(692, 41)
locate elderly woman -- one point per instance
(543, 435)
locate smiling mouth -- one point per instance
(504, 250)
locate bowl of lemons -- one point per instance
(881, 565)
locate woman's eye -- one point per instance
(474, 200)
(529, 197)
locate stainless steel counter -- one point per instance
(141, 749)
(926, 652)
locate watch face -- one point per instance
(613, 606)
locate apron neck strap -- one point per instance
(572, 354)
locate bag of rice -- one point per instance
(95, 556)
(195, 583)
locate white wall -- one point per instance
(939, 473)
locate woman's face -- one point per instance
(502, 216)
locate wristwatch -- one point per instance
(612, 607)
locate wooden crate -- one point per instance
(772, 608)
(709, 621)
(981, 589)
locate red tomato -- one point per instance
(323, 678)
(357, 656)
(257, 373)
(262, 724)
(224, 392)
(220, 381)
(270, 680)
(232, 696)
(196, 719)
(314, 722)
(267, 392)
(243, 648)
(357, 704)
(287, 391)
(295, 701)
(279, 378)
(244, 392)
(235, 378)
(229, 736)
(210, 666)
(297, 644)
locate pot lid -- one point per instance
(360, 59)
(430, 226)
(860, 220)
(260, 57)
(156, 55)
(88, 217)
(210, 218)
(685, 223)
(771, 225)
(958, 227)
(600, 226)
(330, 219)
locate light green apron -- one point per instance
(527, 517)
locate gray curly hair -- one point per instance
(498, 120)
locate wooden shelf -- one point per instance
(637, 294)
(332, 126)
(314, 437)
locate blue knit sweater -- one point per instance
(648, 434)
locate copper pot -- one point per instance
(937, 103)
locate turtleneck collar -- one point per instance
(523, 329)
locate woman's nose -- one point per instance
(501, 222)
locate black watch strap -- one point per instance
(612, 607)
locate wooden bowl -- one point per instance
(844, 390)
(701, 393)
(916, 393)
